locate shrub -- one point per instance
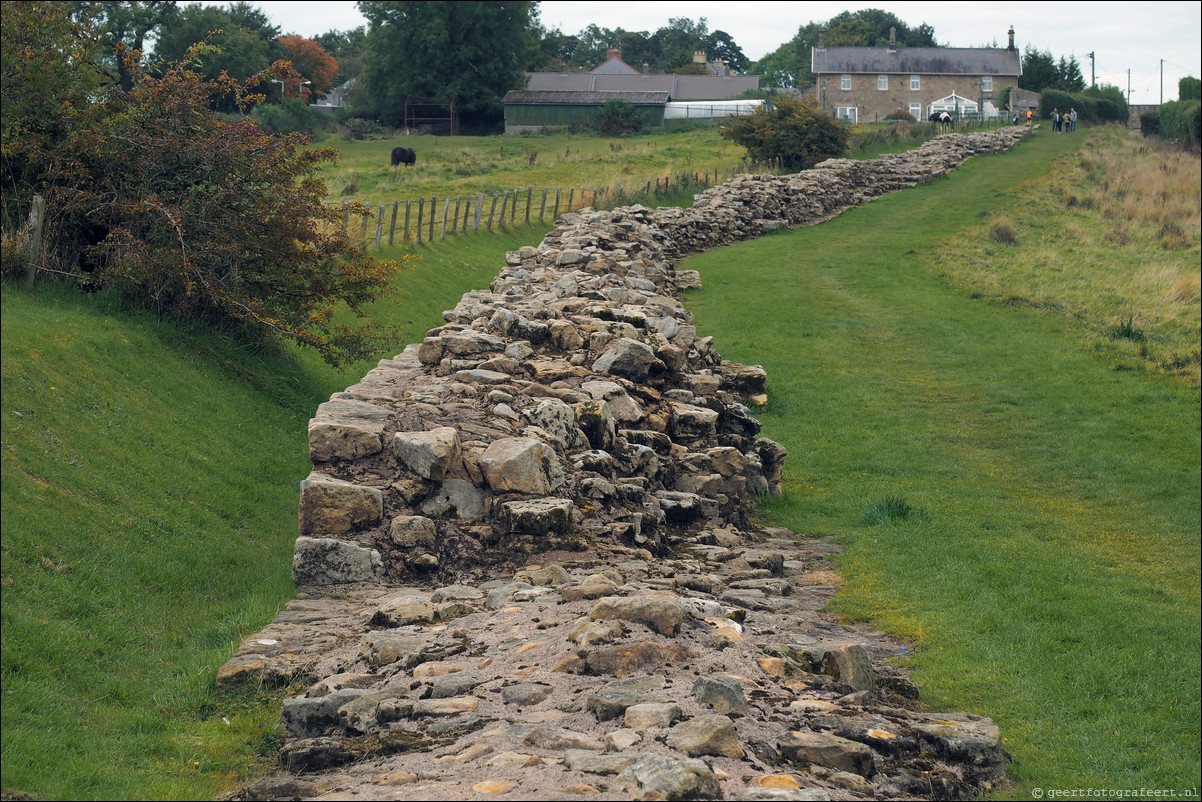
(360, 128)
(796, 131)
(904, 116)
(1002, 232)
(289, 117)
(151, 194)
(618, 118)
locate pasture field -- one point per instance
(1015, 484)
(1044, 559)
(463, 165)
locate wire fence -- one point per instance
(434, 219)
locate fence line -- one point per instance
(472, 206)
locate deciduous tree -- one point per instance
(473, 52)
(310, 62)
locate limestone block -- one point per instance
(326, 561)
(346, 429)
(827, 750)
(629, 359)
(690, 422)
(521, 465)
(432, 454)
(408, 531)
(850, 665)
(333, 506)
(665, 777)
(596, 421)
(662, 615)
(538, 517)
(706, 735)
(558, 420)
(471, 343)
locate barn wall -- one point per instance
(533, 117)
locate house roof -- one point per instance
(586, 97)
(614, 66)
(917, 60)
(680, 87)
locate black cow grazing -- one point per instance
(405, 156)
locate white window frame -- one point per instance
(915, 83)
(845, 82)
(849, 114)
(916, 110)
(882, 83)
(987, 83)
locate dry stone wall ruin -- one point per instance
(529, 564)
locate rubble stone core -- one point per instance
(529, 560)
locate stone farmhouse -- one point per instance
(866, 84)
(554, 99)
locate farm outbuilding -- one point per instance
(531, 112)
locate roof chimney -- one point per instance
(822, 38)
(614, 52)
(1011, 38)
(892, 39)
(699, 57)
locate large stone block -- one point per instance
(346, 429)
(327, 561)
(432, 454)
(332, 506)
(538, 516)
(521, 465)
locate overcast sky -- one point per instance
(1124, 36)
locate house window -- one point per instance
(915, 83)
(846, 113)
(987, 83)
(882, 83)
(916, 111)
(845, 82)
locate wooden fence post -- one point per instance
(513, 210)
(479, 208)
(492, 209)
(446, 207)
(408, 204)
(363, 233)
(467, 210)
(571, 196)
(379, 226)
(455, 221)
(529, 196)
(421, 205)
(504, 206)
(396, 205)
(37, 215)
(433, 214)
(542, 210)
(555, 214)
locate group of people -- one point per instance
(1064, 120)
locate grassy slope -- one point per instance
(1056, 498)
(149, 511)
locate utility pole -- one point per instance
(1162, 82)
(1128, 86)
(1092, 71)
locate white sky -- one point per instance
(1122, 35)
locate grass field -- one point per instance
(1043, 557)
(1017, 492)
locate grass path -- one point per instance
(1048, 570)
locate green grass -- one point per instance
(149, 512)
(1051, 579)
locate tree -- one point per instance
(347, 49)
(869, 27)
(1068, 75)
(239, 51)
(473, 52)
(721, 45)
(151, 194)
(1189, 88)
(618, 118)
(1039, 70)
(127, 24)
(796, 131)
(310, 62)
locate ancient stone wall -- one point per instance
(570, 459)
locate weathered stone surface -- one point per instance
(346, 429)
(538, 516)
(306, 717)
(827, 750)
(629, 359)
(431, 455)
(408, 531)
(521, 465)
(722, 693)
(669, 778)
(850, 665)
(706, 735)
(330, 506)
(661, 615)
(652, 714)
(328, 561)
